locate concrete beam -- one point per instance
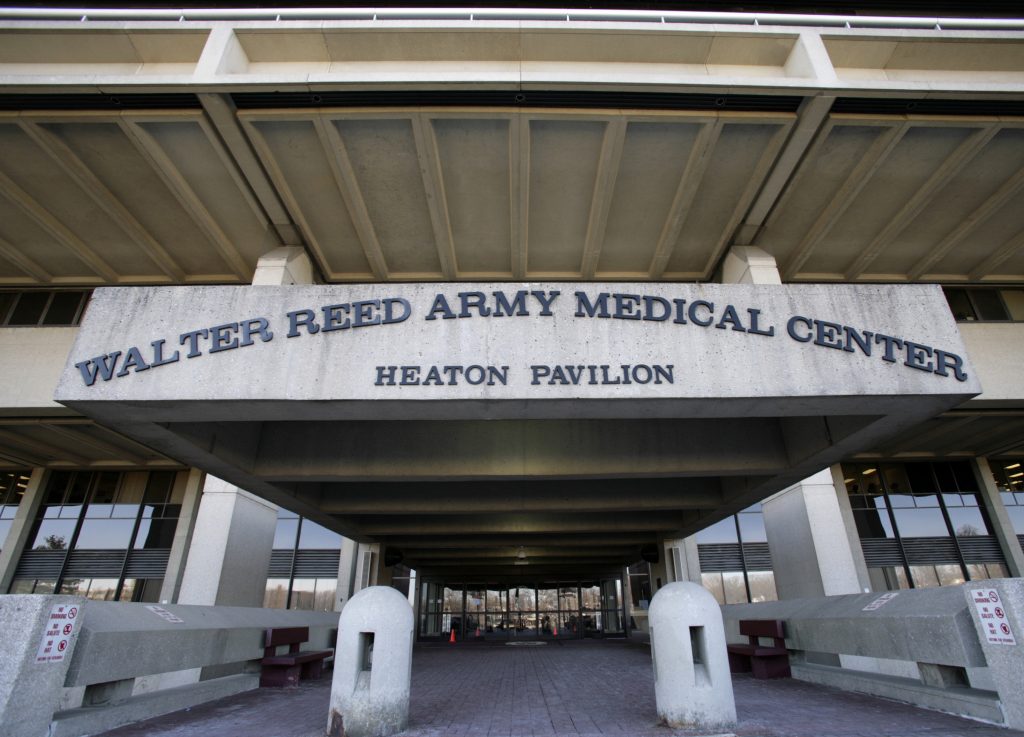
(505, 496)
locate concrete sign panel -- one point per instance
(992, 612)
(520, 342)
(60, 627)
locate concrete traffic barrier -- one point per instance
(692, 685)
(373, 665)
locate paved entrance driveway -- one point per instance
(564, 690)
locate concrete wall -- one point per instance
(31, 362)
(997, 352)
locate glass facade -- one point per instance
(1009, 477)
(303, 566)
(12, 489)
(986, 304)
(42, 307)
(735, 563)
(103, 535)
(547, 610)
(922, 524)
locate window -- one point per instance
(103, 535)
(12, 489)
(303, 565)
(1009, 477)
(922, 524)
(734, 560)
(42, 307)
(985, 304)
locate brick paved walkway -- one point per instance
(561, 690)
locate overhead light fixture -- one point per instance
(848, 481)
(1012, 466)
(1016, 475)
(869, 472)
(520, 562)
(521, 553)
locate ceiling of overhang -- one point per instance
(424, 193)
(72, 442)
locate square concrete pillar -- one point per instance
(749, 265)
(1002, 527)
(810, 543)
(17, 537)
(285, 265)
(230, 552)
(193, 482)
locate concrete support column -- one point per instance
(809, 540)
(366, 565)
(285, 265)
(1002, 527)
(230, 553)
(347, 572)
(749, 265)
(193, 481)
(21, 528)
(683, 559)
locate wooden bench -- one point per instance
(761, 660)
(287, 669)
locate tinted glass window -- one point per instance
(29, 308)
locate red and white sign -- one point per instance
(992, 613)
(60, 626)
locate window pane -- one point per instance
(924, 576)
(1016, 518)
(155, 534)
(921, 479)
(968, 522)
(53, 534)
(964, 476)
(990, 307)
(105, 534)
(303, 593)
(314, 536)
(496, 600)
(1014, 299)
(326, 588)
(5, 527)
(735, 587)
(960, 305)
(921, 523)
(723, 531)
(547, 600)
(63, 308)
(284, 534)
(523, 599)
(752, 527)
(949, 575)
(29, 308)
(762, 586)
(873, 522)
(7, 300)
(713, 583)
(158, 487)
(276, 596)
(474, 600)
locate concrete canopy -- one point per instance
(500, 147)
(461, 427)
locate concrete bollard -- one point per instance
(372, 665)
(692, 685)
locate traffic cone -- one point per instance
(477, 631)
(452, 638)
(555, 630)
